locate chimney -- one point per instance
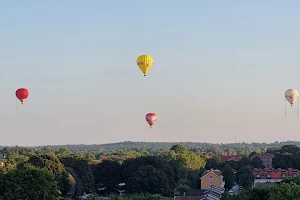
(225, 153)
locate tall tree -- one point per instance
(245, 177)
(108, 174)
(285, 191)
(29, 182)
(257, 163)
(148, 179)
(228, 175)
(51, 163)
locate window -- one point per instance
(269, 176)
(257, 176)
(283, 175)
(294, 175)
(210, 177)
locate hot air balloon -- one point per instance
(151, 118)
(145, 63)
(291, 96)
(22, 94)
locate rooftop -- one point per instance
(267, 155)
(217, 172)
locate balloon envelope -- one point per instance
(145, 63)
(151, 118)
(22, 94)
(291, 95)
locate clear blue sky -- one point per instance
(220, 70)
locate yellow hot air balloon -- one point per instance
(145, 63)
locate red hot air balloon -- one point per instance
(22, 94)
(151, 118)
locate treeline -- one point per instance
(46, 174)
(154, 147)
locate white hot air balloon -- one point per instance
(291, 96)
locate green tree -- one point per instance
(284, 191)
(293, 179)
(51, 163)
(148, 179)
(63, 152)
(228, 175)
(108, 174)
(292, 149)
(245, 177)
(284, 161)
(257, 163)
(130, 166)
(212, 163)
(81, 171)
(179, 148)
(183, 186)
(29, 182)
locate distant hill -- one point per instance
(152, 147)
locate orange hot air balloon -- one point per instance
(22, 94)
(151, 118)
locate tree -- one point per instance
(273, 150)
(183, 186)
(243, 162)
(63, 152)
(212, 163)
(81, 171)
(245, 177)
(130, 166)
(257, 163)
(51, 163)
(261, 194)
(289, 149)
(228, 175)
(284, 161)
(285, 191)
(148, 179)
(108, 174)
(29, 182)
(179, 148)
(293, 179)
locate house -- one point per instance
(212, 187)
(211, 193)
(225, 156)
(273, 175)
(266, 158)
(2, 162)
(212, 177)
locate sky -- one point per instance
(220, 71)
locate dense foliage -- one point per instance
(153, 147)
(158, 173)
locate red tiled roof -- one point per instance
(275, 173)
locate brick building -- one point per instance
(266, 158)
(273, 175)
